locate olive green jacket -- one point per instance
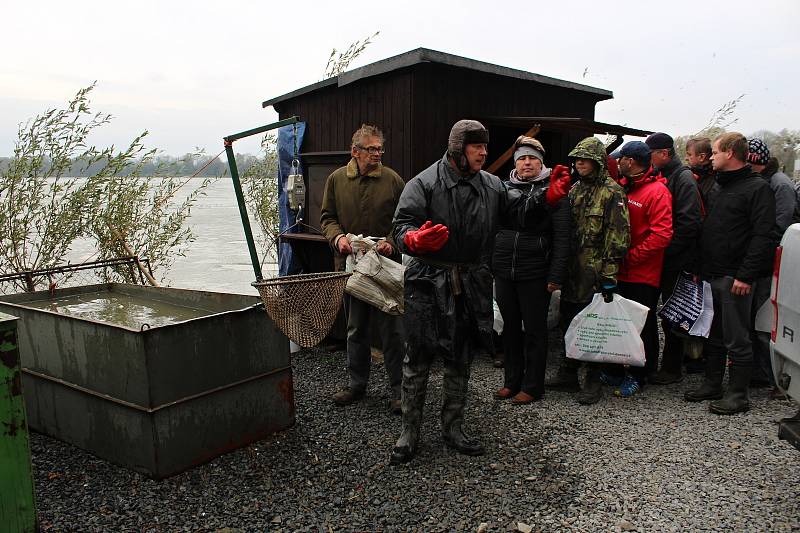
(601, 228)
(358, 204)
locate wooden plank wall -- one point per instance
(333, 113)
(443, 95)
(417, 106)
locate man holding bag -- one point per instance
(737, 246)
(360, 198)
(600, 239)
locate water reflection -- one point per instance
(120, 309)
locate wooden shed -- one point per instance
(415, 98)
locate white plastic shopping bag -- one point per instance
(608, 332)
(498, 318)
(690, 309)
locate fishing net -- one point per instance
(304, 306)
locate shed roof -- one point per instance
(425, 55)
(587, 126)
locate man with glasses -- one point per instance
(360, 198)
(680, 254)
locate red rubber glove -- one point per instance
(559, 185)
(428, 238)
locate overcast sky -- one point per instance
(192, 72)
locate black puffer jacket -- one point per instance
(738, 236)
(539, 250)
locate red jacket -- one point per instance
(650, 211)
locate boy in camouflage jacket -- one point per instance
(599, 243)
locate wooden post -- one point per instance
(17, 506)
(494, 167)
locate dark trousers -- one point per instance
(360, 318)
(730, 329)
(762, 363)
(524, 305)
(645, 295)
(417, 364)
(672, 359)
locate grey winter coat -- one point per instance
(473, 209)
(785, 200)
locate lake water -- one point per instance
(218, 259)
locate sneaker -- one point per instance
(612, 380)
(346, 396)
(628, 387)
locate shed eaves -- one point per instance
(425, 55)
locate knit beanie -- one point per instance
(758, 153)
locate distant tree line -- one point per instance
(159, 165)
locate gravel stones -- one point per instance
(648, 463)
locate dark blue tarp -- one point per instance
(286, 153)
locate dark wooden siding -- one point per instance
(417, 106)
(333, 113)
(443, 95)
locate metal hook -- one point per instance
(144, 327)
(295, 166)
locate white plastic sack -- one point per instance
(608, 332)
(376, 280)
(360, 246)
(690, 309)
(498, 324)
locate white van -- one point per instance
(785, 340)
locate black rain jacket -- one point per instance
(473, 209)
(686, 215)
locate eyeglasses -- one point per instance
(372, 150)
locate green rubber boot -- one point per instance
(736, 398)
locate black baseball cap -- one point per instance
(660, 141)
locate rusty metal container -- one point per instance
(202, 374)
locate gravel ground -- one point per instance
(648, 463)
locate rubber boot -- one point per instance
(415, 383)
(711, 388)
(565, 380)
(736, 399)
(592, 388)
(454, 388)
(452, 430)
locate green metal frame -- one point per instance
(237, 185)
(17, 504)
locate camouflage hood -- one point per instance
(591, 148)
